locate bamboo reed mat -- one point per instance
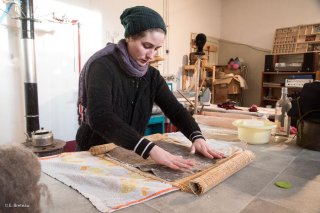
(205, 175)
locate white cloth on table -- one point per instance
(107, 185)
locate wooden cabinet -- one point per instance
(290, 70)
(273, 81)
(297, 39)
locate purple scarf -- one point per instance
(126, 62)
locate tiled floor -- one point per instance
(250, 190)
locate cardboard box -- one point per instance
(229, 85)
(224, 87)
(221, 71)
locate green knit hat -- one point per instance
(140, 18)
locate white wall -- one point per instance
(254, 22)
(251, 22)
(57, 67)
(57, 61)
(186, 17)
(11, 87)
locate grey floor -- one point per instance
(250, 190)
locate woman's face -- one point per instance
(144, 49)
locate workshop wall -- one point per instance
(254, 22)
(186, 17)
(57, 61)
(253, 58)
(247, 31)
(250, 22)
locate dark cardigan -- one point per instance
(119, 108)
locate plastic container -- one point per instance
(254, 131)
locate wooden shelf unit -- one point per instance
(272, 82)
(295, 67)
(207, 77)
(297, 39)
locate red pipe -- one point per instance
(79, 67)
(79, 49)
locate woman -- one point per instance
(118, 88)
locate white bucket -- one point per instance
(254, 131)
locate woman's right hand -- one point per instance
(165, 158)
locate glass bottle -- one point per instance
(282, 120)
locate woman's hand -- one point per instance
(201, 146)
(163, 157)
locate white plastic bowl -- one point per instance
(254, 131)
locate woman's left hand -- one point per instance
(201, 146)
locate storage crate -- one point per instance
(155, 125)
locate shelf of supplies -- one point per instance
(270, 99)
(289, 73)
(272, 82)
(290, 39)
(308, 42)
(271, 86)
(279, 87)
(279, 44)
